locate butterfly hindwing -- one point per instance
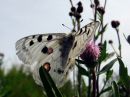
(56, 67)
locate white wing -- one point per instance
(29, 48)
(82, 37)
(35, 48)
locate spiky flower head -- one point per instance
(90, 54)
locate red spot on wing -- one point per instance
(50, 50)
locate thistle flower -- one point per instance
(90, 54)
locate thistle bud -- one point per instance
(79, 3)
(96, 2)
(70, 14)
(73, 9)
(110, 41)
(101, 10)
(115, 24)
(80, 9)
(92, 5)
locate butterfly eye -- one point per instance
(47, 66)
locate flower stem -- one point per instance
(71, 3)
(97, 82)
(119, 42)
(94, 83)
(101, 28)
(79, 84)
(114, 50)
(89, 86)
(95, 14)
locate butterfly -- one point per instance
(56, 52)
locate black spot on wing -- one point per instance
(39, 39)
(85, 29)
(60, 71)
(44, 50)
(33, 36)
(80, 31)
(49, 37)
(31, 43)
(75, 44)
(88, 32)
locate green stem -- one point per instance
(95, 14)
(119, 42)
(105, 4)
(89, 86)
(114, 50)
(94, 83)
(101, 28)
(71, 3)
(102, 88)
(97, 82)
(79, 84)
(78, 24)
(74, 82)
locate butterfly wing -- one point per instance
(43, 49)
(82, 37)
(29, 48)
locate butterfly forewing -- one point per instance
(82, 37)
(29, 48)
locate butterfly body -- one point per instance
(56, 52)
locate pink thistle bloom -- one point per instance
(90, 54)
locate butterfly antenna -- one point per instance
(66, 26)
(81, 20)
